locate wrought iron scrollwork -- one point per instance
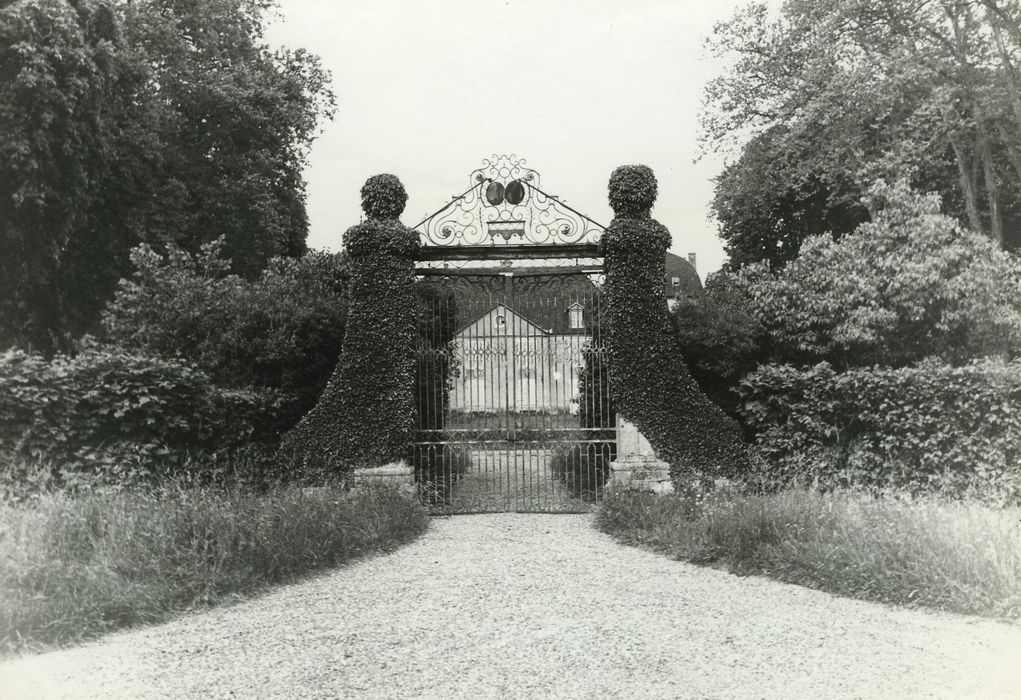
(505, 205)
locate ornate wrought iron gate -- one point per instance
(511, 385)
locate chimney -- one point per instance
(691, 259)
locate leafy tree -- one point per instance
(867, 89)
(65, 86)
(232, 121)
(282, 331)
(152, 121)
(910, 284)
(766, 208)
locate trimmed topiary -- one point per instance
(383, 197)
(633, 191)
(365, 415)
(649, 379)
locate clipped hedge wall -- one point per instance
(649, 379)
(927, 427)
(107, 411)
(364, 417)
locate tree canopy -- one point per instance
(908, 285)
(765, 209)
(844, 92)
(155, 121)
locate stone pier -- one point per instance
(637, 468)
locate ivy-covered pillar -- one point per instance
(365, 416)
(665, 417)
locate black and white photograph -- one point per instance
(510, 349)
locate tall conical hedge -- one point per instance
(365, 415)
(649, 379)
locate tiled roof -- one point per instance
(546, 300)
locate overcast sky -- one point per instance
(425, 90)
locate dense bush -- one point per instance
(119, 415)
(649, 379)
(927, 427)
(281, 331)
(365, 415)
(907, 285)
(720, 337)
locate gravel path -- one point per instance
(537, 606)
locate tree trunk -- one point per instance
(992, 180)
(1013, 154)
(968, 185)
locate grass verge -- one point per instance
(75, 567)
(952, 556)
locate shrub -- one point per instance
(909, 284)
(117, 414)
(365, 415)
(649, 380)
(927, 427)
(720, 338)
(281, 331)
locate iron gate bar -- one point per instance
(510, 251)
(477, 271)
(501, 359)
(513, 447)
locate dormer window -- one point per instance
(576, 315)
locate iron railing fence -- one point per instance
(513, 408)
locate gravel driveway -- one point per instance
(535, 606)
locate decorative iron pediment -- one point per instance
(505, 207)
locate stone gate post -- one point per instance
(637, 468)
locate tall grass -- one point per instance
(953, 556)
(77, 566)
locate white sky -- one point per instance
(427, 89)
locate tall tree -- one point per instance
(157, 121)
(64, 85)
(233, 122)
(766, 204)
(867, 89)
